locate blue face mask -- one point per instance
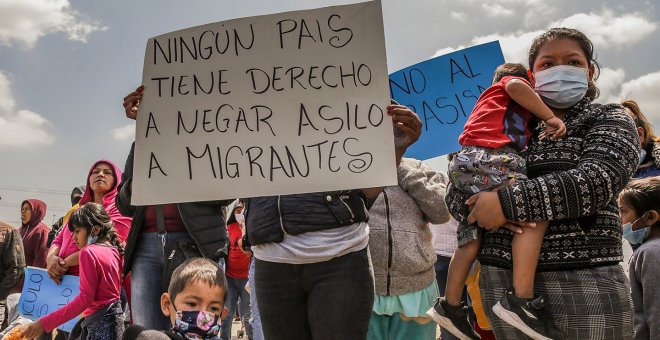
(642, 156)
(92, 239)
(197, 325)
(561, 86)
(638, 236)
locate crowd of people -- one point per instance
(522, 237)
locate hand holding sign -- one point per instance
(407, 128)
(132, 102)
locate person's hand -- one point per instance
(486, 211)
(56, 268)
(555, 128)
(132, 102)
(407, 128)
(33, 330)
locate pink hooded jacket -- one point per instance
(122, 224)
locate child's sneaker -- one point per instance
(453, 319)
(528, 317)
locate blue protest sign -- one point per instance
(443, 91)
(41, 296)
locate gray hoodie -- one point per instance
(644, 274)
(399, 234)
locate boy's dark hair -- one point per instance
(510, 69)
(197, 269)
(93, 215)
(642, 194)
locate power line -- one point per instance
(35, 190)
(17, 205)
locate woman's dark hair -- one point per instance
(643, 122)
(642, 194)
(568, 33)
(93, 215)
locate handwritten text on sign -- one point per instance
(277, 104)
(443, 91)
(41, 296)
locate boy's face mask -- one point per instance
(197, 325)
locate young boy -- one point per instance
(194, 303)
(496, 131)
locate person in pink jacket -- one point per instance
(101, 188)
(100, 262)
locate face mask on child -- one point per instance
(240, 218)
(197, 325)
(561, 86)
(635, 236)
(92, 239)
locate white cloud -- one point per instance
(22, 127)
(460, 16)
(446, 50)
(514, 46)
(497, 10)
(25, 21)
(124, 133)
(609, 82)
(606, 29)
(644, 90)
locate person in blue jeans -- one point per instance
(238, 263)
(201, 224)
(255, 320)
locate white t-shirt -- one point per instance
(315, 246)
(444, 238)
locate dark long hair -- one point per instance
(93, 215)
(568, 33)
(642, 194)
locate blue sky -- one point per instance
(66, 65)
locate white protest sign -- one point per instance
(277, 104)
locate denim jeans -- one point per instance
(325, 300)
(255, 320)
(237, 296)
(147, 281)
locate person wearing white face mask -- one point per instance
(573, 183)
(237, 265)
(639, 209)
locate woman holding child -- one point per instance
(573, 183)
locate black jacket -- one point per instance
(267, 219)
(205, 221)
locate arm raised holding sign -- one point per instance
(200, 224)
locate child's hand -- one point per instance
(33, 330)
(16, 333)
(555, 128)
